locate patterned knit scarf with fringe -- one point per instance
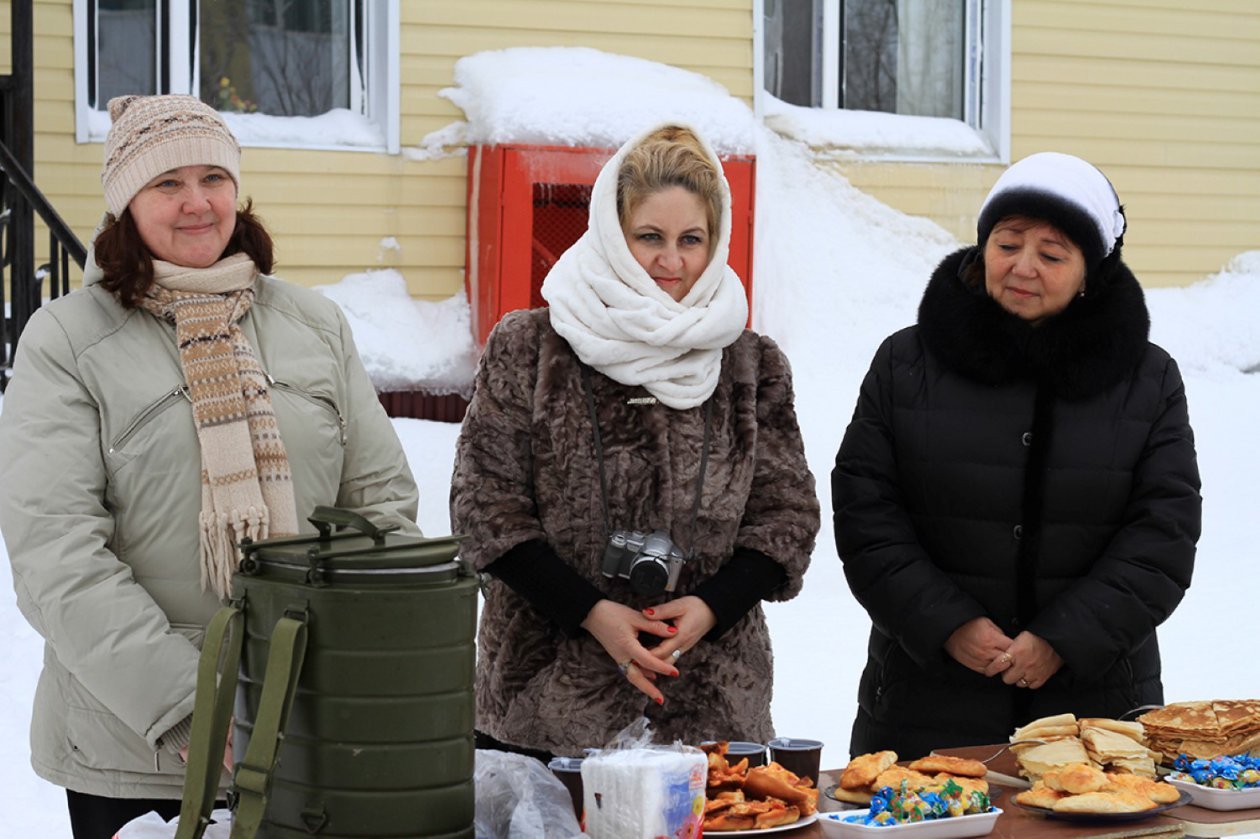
(246, 483)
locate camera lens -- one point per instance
(648, 575)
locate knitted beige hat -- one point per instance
(154, 134)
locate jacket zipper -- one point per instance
(322, 401)
(148, 414)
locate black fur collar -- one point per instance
(1091, 345)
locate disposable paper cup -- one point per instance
(569, 771)
(801, 757)
(737, 750)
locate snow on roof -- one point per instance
(577, 96)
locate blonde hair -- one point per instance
(670, 156)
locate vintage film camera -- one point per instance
(650, 561)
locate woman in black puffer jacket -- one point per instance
(1017, 497)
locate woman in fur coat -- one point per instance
(636, 405)
(1017, 498)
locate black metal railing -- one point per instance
(21, 201)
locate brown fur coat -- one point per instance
(526, 469)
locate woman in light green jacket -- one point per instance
(182, 401)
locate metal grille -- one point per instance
(443, 407)
(560, 215)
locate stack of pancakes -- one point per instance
(1204, 729)
(1098, 742)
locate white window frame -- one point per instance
(381, 72)
(987, 106)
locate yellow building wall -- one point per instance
(329, 211)
(1163, 96)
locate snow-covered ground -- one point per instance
(835, 272)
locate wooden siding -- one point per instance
(947, 193)
(329, 211)
(1162, 95)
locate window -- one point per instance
(329, 59)
(936, 58)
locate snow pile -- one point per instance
(576, 96)
(407, 344)
(874, 132)
(1209, 326)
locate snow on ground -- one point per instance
(835, 272)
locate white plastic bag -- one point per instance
(519, 798)
(151, 826)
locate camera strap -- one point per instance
(599, 457)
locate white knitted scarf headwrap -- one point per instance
(247, 484)
(619, 321)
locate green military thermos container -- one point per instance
(378, 741)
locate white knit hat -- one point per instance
(1066, 191)
(154, 134)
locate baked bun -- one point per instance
(1104, 802)
(1157, 791)
(969, 785)
(864, 769)
(1039, 795)
(1076, 778)
(952, 765)
(894, 775)
(851, 796)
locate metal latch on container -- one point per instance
(315, 573)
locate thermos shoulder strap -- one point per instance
(252, 776)
(212, 714)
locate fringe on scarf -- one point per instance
(221, 535)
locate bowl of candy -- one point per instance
(944, 811)
(1227, 782)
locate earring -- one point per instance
(1081, 293)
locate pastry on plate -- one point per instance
(864, 769)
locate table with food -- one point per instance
(1186, 769)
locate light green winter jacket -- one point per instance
(100, 491)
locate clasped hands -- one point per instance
(680, 624)
(1027, 661)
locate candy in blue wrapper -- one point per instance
(1225, 772)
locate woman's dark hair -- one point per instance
(128, 265)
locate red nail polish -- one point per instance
(675, 673)
(660, 700)
(649, 612)
(673, 629)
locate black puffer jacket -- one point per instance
(1044, 477)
